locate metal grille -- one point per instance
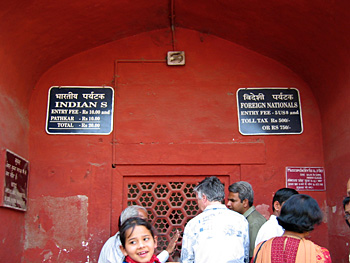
(170, 206)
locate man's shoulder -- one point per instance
(235, 214)
(223, 212)
(256, 217)
(272, 220)
(111, 242)
(268, 230)
(110, 251)
(271, 226)
(230, 215)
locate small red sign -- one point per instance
(14, 184)
(306, 178)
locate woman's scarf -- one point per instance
(307, 251)
(153, 259)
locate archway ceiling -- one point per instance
(310, 37)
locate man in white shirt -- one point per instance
(271, 228)
(217, 234)
(111, 252)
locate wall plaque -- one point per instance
(80, 110)
(264, 111)
(15, 183)
(306, 178)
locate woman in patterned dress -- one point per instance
(299, 214)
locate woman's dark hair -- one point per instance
(300, 213)
(132, 223)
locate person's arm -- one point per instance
(172, 243)
(164, 255)
(246, 243)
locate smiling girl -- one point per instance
(138, 241)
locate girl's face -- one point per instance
(139, 245)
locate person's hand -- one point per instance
(172, 242)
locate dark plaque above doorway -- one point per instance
(80, 110)
(269, 111)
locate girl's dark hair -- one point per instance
(132, 223)
(300, 213)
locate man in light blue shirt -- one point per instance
(217, 234)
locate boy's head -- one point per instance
(280, 197)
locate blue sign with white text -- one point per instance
(264, 111)
(80, 110)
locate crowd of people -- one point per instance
(235, 232)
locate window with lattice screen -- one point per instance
(170, 202)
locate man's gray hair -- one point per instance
(212, 188)
(244, 190)
(131, 211)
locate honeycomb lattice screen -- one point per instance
(170, 205)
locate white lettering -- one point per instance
(73, 104)
(64, 125)
(248, 121)
(253, 112)
(250, 105)
(62, 118)
(58, 111)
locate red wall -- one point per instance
(14, 128)
(14, 137)
(168, 121)
(336, 133)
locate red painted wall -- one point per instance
(189, 111)
(14, 128)
(336, 132)
(13, 136)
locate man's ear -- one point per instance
(122, 249)
(245, 203)
(277, 206)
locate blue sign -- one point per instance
(80, 110)
(264, 111)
